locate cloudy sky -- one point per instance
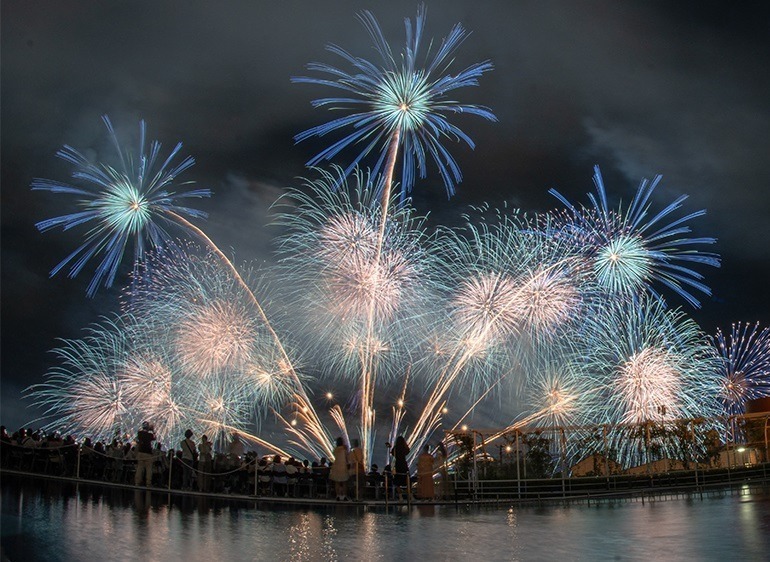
(639, 88)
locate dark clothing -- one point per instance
(400, 451)
(144, 441)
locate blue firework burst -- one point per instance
(133, 203)
(631, 248)
(745, 366)
(400, 103)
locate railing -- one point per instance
(618, 485)
(248, 478)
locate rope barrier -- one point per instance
(198, 471)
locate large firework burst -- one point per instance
(361, 281)
(398, 104)
(632, 248)
(509, 287)
(83, 392)
(652, 366)
(135, 202)
(351, 294)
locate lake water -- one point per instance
(49, 520)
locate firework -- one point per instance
(83, 394)
(148, 385)
(209, 327)
(396, 105)
(653, 366)
(361, 298)
(214, 337)
(135, 202)
(744, 366)
(510, 289)
(632, 248)
(558, 394)
(353, 298)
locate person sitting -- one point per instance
(321, 477)
(279, 476)
(374, 480)
(425, 488)
(292, 477)
(264, 476)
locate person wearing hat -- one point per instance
(144, 456)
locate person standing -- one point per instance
(401, 477)
(357, 469)
(204, 464)
(441, 462)
(144, 456)
(425, 474)
(189, 456)
(235, 450)
(235, 457)
(339, 470)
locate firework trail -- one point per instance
(632, 248)
(133, 203)
(137, 202)
(362, 305)
(404, 106)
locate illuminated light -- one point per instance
(444, 410)
(741, 449)
(294, 422)
(329, 396)
(508, 449)
(400, 403)
(464, 428)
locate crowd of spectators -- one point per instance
(193, 465)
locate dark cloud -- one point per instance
(677, 88)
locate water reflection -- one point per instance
(47, 520)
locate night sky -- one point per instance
(677, 88)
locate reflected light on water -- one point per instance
(43, 520)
